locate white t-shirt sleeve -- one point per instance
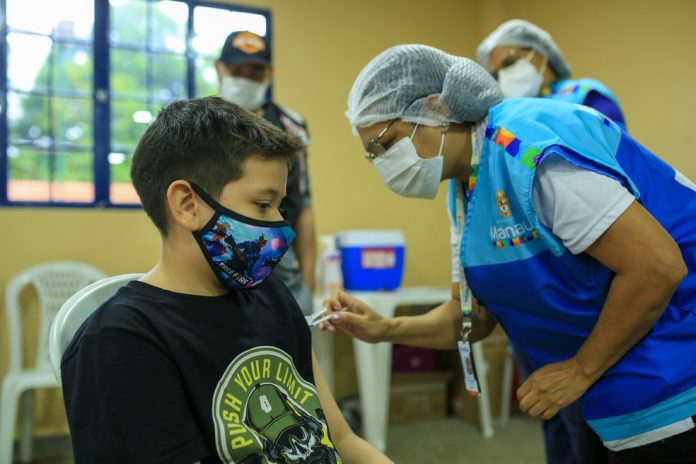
(576, 204)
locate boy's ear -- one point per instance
(185, 207)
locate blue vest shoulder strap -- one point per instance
(576, 90)
(527, 128)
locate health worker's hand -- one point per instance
(355, 318)
(552, 387)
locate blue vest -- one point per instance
(547, 299)
(576, 90)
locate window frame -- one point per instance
(101, 100)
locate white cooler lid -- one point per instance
(370, 237)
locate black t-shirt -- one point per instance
(154, 376)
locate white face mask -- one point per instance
(521, 79)
(246, 93)
(406, 173)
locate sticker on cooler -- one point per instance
(371, 259)
(378, 258)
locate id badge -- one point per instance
(470, 380)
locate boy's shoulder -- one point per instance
(125, 310)
(140, 306)
(128, 304)
(156, 314)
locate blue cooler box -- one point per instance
(371, 259)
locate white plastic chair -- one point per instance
(54, 283)
(73, 313)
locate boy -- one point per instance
(207, 357)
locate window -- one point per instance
(83, 80)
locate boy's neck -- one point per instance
(184, 271)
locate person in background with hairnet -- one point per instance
(562, 236)
(526, 62)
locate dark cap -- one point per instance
(245, 46)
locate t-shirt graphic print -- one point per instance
(265, 412)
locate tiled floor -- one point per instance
(446, 441)
(453, 441)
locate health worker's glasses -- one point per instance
(374, 148)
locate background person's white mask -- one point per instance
(521, 79)
(406, 173)
(246, 93)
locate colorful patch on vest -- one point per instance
(265, 412)
(473, 175)
(527, 154)
(515, 241)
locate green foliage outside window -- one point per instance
(52, 99)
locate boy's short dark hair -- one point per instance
(203, 140)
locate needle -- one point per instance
(313, 321)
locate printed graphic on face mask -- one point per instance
(264, 413)
(244, 254)
(241, 251)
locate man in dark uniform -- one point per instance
(244, 71)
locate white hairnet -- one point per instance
(521, 33)
(421, 84)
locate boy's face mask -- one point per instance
(242, 251)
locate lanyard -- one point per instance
(462, 199)
(461, 206)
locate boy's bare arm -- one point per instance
(352, 448)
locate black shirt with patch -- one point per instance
(154, 376)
